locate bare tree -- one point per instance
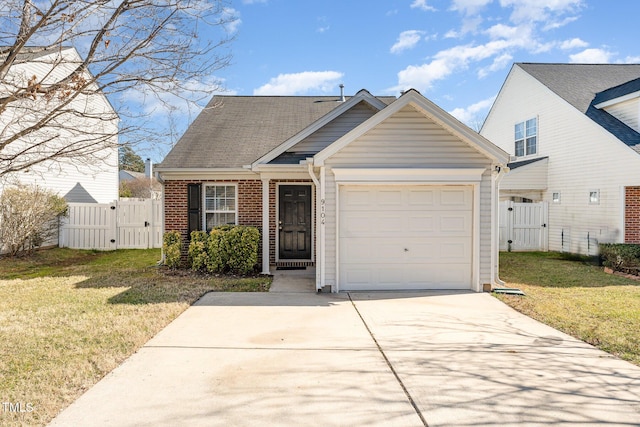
(57, 56)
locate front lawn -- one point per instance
(68, 317)
(576, 297)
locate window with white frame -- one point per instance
(526, 137)
(556, 197)
(594, 197)
(220, 205)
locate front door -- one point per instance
(294, 222)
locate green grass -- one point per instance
(68, 317)
(571, 294)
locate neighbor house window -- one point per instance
(526, 138)
(556, 197)
(594, 197)
(220, 205)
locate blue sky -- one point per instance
(455, 52)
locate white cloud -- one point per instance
(422, 5)
(631, 60)
(499, 63)
(501, 31)
(473, 114)
(469, 7)
(407, 40)
(541, 10)
(301, 83)
(451, 34)
(232, 17)
(575, 43)
(557, 24)
(591, 56)
(521, 33)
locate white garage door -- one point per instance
(405, 237)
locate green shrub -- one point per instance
(241, 246)
(217, 256)
(233, 249)
(620, 256)
(171, 245)
(198, 254)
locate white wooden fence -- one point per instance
(124, 224)
(523, 226)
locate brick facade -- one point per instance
(249, 208)
(632, 215)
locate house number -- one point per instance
(322, 212)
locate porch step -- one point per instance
(293, 265)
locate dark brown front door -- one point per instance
(294, 222)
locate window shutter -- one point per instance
(194, 206)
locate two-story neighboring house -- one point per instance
(574, 132)
(88, 123)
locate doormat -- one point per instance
(291, 268)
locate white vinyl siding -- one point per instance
(582, 156)
(409, 140)
(528, 177)
(73, 179)
(335, 129)
(628, 112)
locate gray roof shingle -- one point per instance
(578, 84)
(233, 131)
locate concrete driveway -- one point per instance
(392, 359)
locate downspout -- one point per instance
(497, 175)
(319, 225)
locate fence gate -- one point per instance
(523, 226)
(124, 224)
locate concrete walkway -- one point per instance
(388, 359)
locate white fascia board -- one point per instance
(405, 176)
(617, 100)
(205, 173)
(429, 109)
(283, 171)
(362, 95)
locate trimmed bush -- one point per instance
(241, 245)
(620, 256)
(171, 244)
(233, 249)
(198, 254)
(217, 256)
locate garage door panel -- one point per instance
(421, 198)
(364, 250)
(405, 237)
(455, 197)
(391, 198)
(367, 224)
(455, 223)
(421, 223)
(393, 277)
